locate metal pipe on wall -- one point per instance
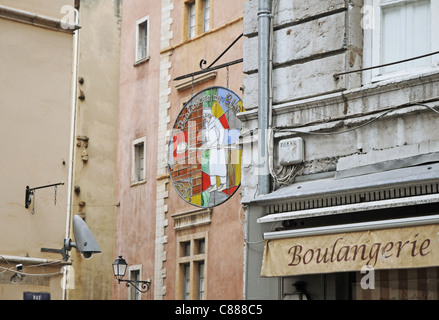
(72, 142)
(264, 91)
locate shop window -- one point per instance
(400, 284)
(396, 30)
(395, 284)
(191, 266)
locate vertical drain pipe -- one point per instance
(264, 90)
(72, 141)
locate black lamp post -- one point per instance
(119, 270)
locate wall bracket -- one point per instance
(31, 191)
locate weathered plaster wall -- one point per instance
(135, 219)
(36, 93)
(97, 119)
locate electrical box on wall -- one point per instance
(291, 151)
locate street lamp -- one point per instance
(119, 270)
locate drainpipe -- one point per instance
(72, 142)
(264, 90)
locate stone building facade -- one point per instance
(352, 148)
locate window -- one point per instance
(138, 165)
(201, 246)
(134, 274)
(142, 39)
(398, 30)
(393, 284)
(186, 281)
(200, 280)
(197, 17)
(206, 15)
(191, 274)
(191, 20)
(186, 248)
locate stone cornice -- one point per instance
(36, 20)
(350, 103)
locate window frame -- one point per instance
(131, 290)
(372, 41)
(200, 18)
(192, 13)
(201, 285)
(135, 179)
(138, 57)
(204, 15)
(189, 266)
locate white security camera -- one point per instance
(85, 242)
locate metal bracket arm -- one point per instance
(144, 284)
(30, 192)
(210, 67)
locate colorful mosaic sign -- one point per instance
(204, 159)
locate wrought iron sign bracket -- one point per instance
(31, 192)
(210, 67)
(203, 61)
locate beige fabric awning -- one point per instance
(394, 248)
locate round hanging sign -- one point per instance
(204, 155)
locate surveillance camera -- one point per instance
(85, 242)
(87, 255)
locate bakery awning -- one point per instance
(413, 185)
(352, 247)
(387, 242)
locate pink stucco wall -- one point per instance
(138, 102)
(138, 115)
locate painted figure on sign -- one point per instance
(204, 152)
(214, 142)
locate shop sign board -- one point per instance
(204, 154)
(395, 248)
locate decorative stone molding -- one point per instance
(162, 176)
(193, 218)
(197, 80)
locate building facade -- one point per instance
(37, 89)
(137, 140)
(189, 251)
(343, 203)
(215, 271)
(61, 82)
(95, 145)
